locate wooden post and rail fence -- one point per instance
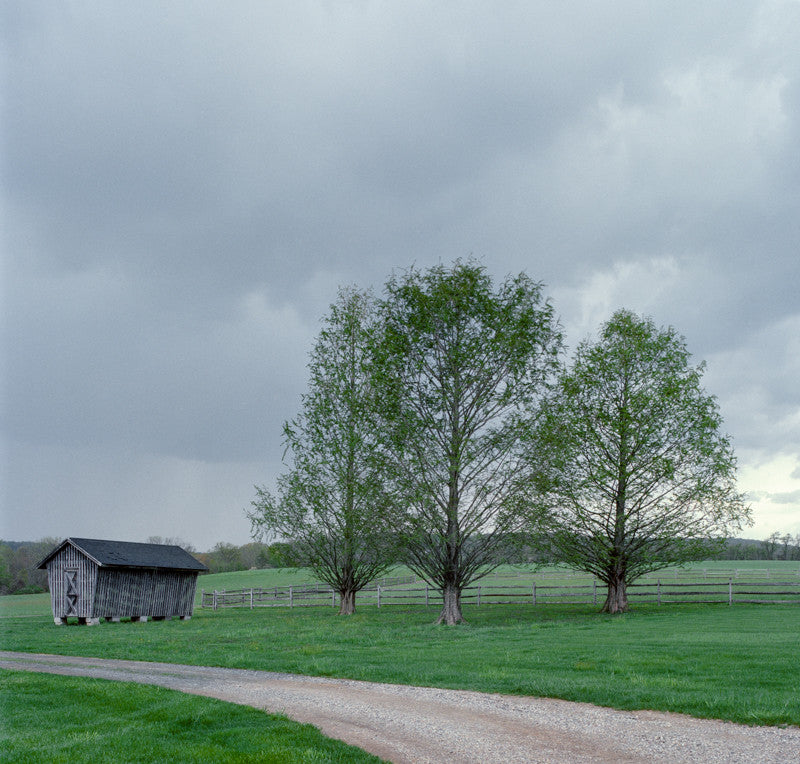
(409, 590)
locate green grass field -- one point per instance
(244, 579)
(59, 719)
(737, 663)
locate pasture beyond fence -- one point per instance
(705, 586)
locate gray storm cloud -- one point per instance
(184, 187)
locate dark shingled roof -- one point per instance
(128, 554)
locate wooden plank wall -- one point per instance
(69, 557)
(154, 593)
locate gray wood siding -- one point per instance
(86, 579)
(79, 587)
(154, 593)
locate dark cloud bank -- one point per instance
(184, 187)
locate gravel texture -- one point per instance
(420, 724)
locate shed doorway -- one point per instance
(70, 591)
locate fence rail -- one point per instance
(397, 591)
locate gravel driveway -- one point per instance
(419, 724)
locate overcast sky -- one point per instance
(186, 184)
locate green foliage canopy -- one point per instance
(459, 366)
(634, 474)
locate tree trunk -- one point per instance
(347, 602)
(451, 609)
(617, 598)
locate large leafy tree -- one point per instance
(334, 505)
(460, 365)
(636, 473)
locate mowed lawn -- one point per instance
(740, 663)
(58, 719)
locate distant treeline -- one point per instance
(18, 561)
(779, 546)
(19, 575)
(227, 557)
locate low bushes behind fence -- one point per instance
(412, 591)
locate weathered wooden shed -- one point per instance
(92, 579)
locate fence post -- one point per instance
(659, 591)
(202, 598)
(379, 595)
(479, 595)
(594, 591)
(730, 591)
(251, 599)
(333, 598)
(291, 597)
(533, 592)
(426, 595)
(214, 604)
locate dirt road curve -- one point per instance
(416, 724)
